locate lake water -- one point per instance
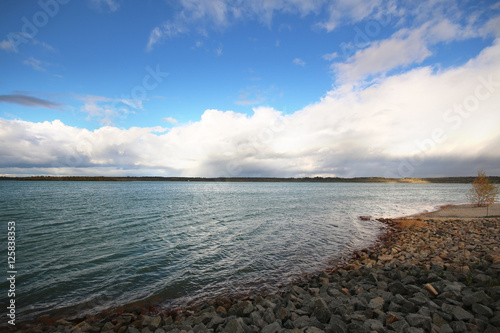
(85, 246)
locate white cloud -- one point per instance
(382, 56)
(407, 46)
(107, 110)
(170, 120)
(15, 39)
(299, 62)
(7, 45)
(204, 15)
(330, 56)
(165, 31)
(35, 64)
(111, 5)
(412, 124)
(351, 11)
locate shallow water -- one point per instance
(85, 246)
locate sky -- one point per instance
(261, 88)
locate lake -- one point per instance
(85, 246)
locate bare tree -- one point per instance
(482, 193)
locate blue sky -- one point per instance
(249, 88)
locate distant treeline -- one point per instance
(493, 179)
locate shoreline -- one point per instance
(367, 267)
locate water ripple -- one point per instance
(83, 246)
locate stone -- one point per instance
(200, 328)
(461, 314)
(416, 320)
(495, 321)
(397, 288)
(301, 322)
(152, 322)
(298, 291)
(481, 309)
(454, 286)
(415, 330)
(458, 326)
(132, 329)
(271, 328)
(477, 297)
(108, 327)
(438, 320)
(399, 326)
(391, 318)
(337, 325)
(269, 316)
(233, 326)
(321, 310)
(373, 325)
(313, 329)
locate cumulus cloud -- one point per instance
(30, 101)
(420, 123)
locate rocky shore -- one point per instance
(426, 274)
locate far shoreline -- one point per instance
(408, 180)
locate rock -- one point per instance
(376, 303)
(458, 326)
(337, 325)
(415, 330)
(271, 328)
(269, 316)
(373, 325)
(301, 322)
(132, 329)
(482, 310)
(108, 327)
(461, 314)
(298, 291)
(313, 329)
(321, 310)
(233, 326)
(399, 326)
(200, 328)
(495, 321)
(477, 297)
(397, 288)
(257, 319)
(454, 286)
(416, 320)
(391, 318)
(282, 314)
(438, 320)
(151, 322)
